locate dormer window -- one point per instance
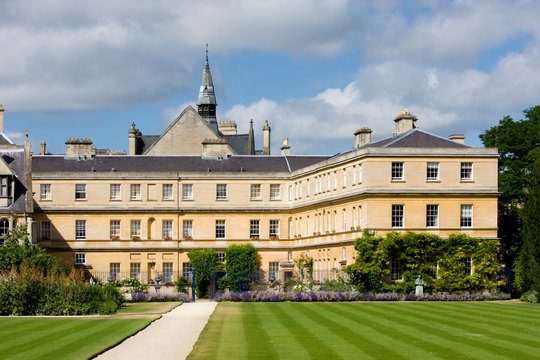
(5, 186)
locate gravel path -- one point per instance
(171, 337)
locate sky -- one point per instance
(317, 70)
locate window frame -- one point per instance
(466, 167)
(398, 168)
(432, 215)
(43, 229)
(273, 191)
(80, 230)
(167, 192)
(115, 229)
(135, 270)
(166, 229)
(114, 269)
(273, 227)
(187, 192)
(135, 192)
(78, 257)
(116, 194)
(187, 230)
(432, 171)
(80, 192)
(255, 192)
(221, 192)
(254, 228)
(466, 216)
(135, 229)
(168, 273)
(398, 216)
(45, 195)
(221, 229)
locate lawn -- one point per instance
(73, 337)
(393, 330)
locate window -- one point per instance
(354, 175)
(115, 229)
(254, 228)
(187, 191)
(135, 271)
(167, 272)
(45, 192)
(290, 228)
(80, 229)
(396, 273)
(135, 192)
(397, 216)
(344, 177)
(115, 192)
(432, 171)
(466, 216)
(274, 228)
(114, 270)
(167, 192)
(221, 191)
(187, 271)
(255, 191)
(221, 256)
(432, 215)
(80, 191)
(360, 217)
(354, 217)
(468, 265)
(360, 174)
(397, 171)
(187, 228)
(45, 229)
(80, 259)
(166, 229)
(329, 182)
(5, 186)
(4, 228)
(344, 253)
(344, 220)
(335, 180)
(290, 192)
(275, 191)
(466, 171)
(220, 229)
(273, 271)
(135, 229)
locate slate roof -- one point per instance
(239, 143)
(143, 142)
(141, 163)
(15, 160)
(417, 138)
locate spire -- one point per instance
(207, 98)
(251, 139)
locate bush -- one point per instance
(205, 262)
(159, 297)
(530, 296)
(241, 262)
(135, 284)
(182, 285)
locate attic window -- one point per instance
(5, 186)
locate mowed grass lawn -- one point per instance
(393, 330)
(73, 337)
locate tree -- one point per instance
(240, 262)
(528, 263)
(205, 263)
(517, 142)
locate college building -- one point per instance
(201, 185)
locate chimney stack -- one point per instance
(266, 138)
(362, 137)
(405, 121)
(1, 118)
(285, 148)
(43, 148)
(459, 138)
(132, 141)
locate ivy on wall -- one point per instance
(445, 264)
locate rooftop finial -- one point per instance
(206, 51)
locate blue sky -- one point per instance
(316, 70)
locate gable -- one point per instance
(4, 168)
(184, 136)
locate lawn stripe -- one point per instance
(22, 326)
(254, 332)
(468, 329)
(475, 309)
(211, 333)
(364, 344)
(304, 336)
(515, 310)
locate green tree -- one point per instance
(528, 263)
(241, 261)
(517, 142)
(205, 263)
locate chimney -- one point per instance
(362, 137)
(1, 118)
(405, 121)
(285, 148)
(459, 138)
(43, 148)
(80, 148)
(266, 138)
(227, 127)
(132, 140)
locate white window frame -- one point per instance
(167, 271)
(167, 192)
(115, 228)
(466, 216)
(187, 228)
(135, 270)
(254, 228)
(45, 192)
(187, 192)
(221, 192)
(80, 259)
(466, 168)
(345, 177)
(359, 174)
(255, 192)
(80, 229)
(398, 170)
(167, 229)
(135, 229)
(274, 228)
(398, 215)
(221, 229)
(80, 192)
(432, 171)
(273, 269)
(115, 192)
(135, 192)
(275, 191)
(432, 216)
(45, 229)
(114, 270)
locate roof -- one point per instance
(144, 142)
(14, 159)
(4, 140)
(188, 164)
(416, 138)
(239, 143)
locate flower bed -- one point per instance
(335, 296)
(159, 297)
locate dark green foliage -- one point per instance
(205, 263)
(528, 263)
(181, 285)
(517, 142)
(135, 283)
(241, 262)
(419, 254)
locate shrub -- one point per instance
(135, 284)
(159, 297)
(241, 262)
(181, 285)
(205, 263)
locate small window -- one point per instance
(397, 216)
(115, 229)
(167, 272)
(221, 191)
(167, 229)
(135, 271)
(255, 191)
(466, 216)
(275, 191)
(344, 177)
(5, 186)
(290, 192)
(397, 171)
(187, 191)
(274, 228)
(114, 270)
(80, 229)
(187, 229)
(115, 192)
(466, 171)
(167, 192)
(135, 192)
(432, 215)
(187, 271)
(273, 271)
(360, 174)
(80, 259)
(45, 229)
(135, 229)
(344, 220)
(468, 265)
(45, 192)
(80, 191)
(432, 171)
(221, 256)
(396, 271)
(220, 229)
(254, 228)
(4, 227)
